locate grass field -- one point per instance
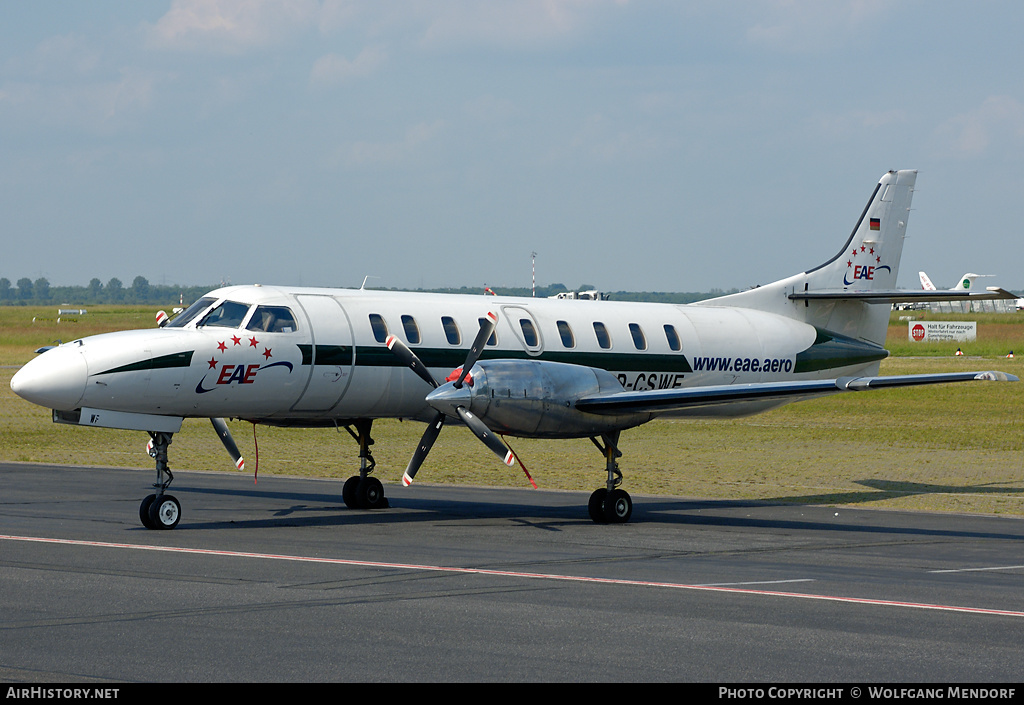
(945, 448)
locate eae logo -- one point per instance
(918, 332)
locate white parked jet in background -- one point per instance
(535, 368)
(975, 299)
(965, 283)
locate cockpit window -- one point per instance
(272, 319)
(228, 315)
(186, 316)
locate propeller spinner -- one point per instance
(446, 400)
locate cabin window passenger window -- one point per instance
(493, 340)
(673, 337)
(565, 333)
(451, 330)
(412, 331)
(603, 339)
(380, 328)
(639, 341)
(228, 315)
(272, 319)
(529, 332)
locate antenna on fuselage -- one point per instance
(367, 278)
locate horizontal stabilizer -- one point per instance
(903, 296)
(665, 400)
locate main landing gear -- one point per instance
(160, 510)
(362, 491)
(610, 505)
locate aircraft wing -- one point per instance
(665, 400)
(903, 296)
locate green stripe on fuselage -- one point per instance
(380, 356)
(182, 359)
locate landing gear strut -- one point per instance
(609, 504)
(160, 510)
(362, 491)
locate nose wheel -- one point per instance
(160, 510)
(362, 491)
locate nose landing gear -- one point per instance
(160, 510)
(362, 491)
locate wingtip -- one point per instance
(996, 376)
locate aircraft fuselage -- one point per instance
(330, 362)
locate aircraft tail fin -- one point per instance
(842, 294)
(966, 282)
(926, 283)
(870, 259)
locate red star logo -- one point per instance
(253, 342)
(849, 263)
(222, 347)
(236, 340)
(871, 251)
(854, 253)
(266, 353)
(878, 260)
(212, 363)
(862, 248)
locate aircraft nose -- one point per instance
(56, 379)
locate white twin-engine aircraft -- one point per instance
(534, 368)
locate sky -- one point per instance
(631, 145)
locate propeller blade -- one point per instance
(221, 427)
(434, 427)
(409, 358)
(484, 434)
(426, 442)
(487, 326)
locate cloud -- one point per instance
(601, 140)
(857, 124)
(57, 57)
(363, 153)
(93, 106)
(999, 118)
(506, 23)
(333, 68)
(231, 26)
(799, 26)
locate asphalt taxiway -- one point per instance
(278, 581)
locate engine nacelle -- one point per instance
(534, 399)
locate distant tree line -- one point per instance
(39, 292)
(665, 297)
(27, 292)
